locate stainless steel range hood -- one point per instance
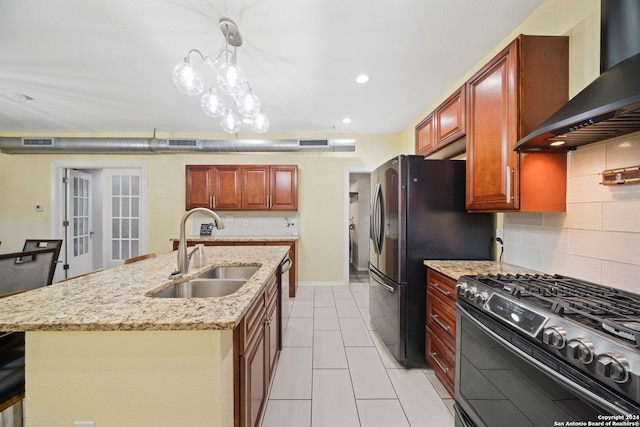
(610, 105)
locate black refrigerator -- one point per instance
(417, 213)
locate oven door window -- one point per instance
(497, 387)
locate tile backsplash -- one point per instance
(252, 223)
(598, 238)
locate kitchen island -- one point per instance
(99, 348)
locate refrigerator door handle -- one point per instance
(384, 285)
(376, 222)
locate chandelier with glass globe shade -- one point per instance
(230, 92)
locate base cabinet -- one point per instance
(440, 330)
(257, 343)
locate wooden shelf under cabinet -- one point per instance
(440, 330)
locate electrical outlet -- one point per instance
(84, 424)
(499, 234)
(228, 218)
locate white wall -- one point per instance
(598, 238)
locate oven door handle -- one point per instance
(555, 375)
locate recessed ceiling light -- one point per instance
(362, 78)
(346, 120)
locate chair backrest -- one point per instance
(24, 271)
(139, 258)
(37, 244)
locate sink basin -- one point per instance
(231, 272)
(201, 288)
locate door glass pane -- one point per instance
(126, 186)
(135, 207)
(115, 249)
(135, 232)
(115, 185)
(125, 206)
(125, 249)
(125, 228)
(135, 249)
(115, 229)
(115, 206)
(135, 185)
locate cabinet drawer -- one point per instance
(443, 285)
(441, 317)
(441, 358)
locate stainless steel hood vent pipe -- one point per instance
(41, 145)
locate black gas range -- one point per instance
(584, 338)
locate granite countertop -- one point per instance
(117, 299)
(457, 268)
(239, 238)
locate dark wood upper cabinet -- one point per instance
(425, 136)
(242, 187)
(506, 99)
(284, 187)
(450, 119)
(446, 124)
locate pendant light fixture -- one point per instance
(230, 91)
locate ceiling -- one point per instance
(105, 65)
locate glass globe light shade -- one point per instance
(260, 123)
(230, 123)
(231, 79)
(212, 104)
(248, 104)
(187, 79)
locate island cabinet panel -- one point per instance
(507, 99)
(257, 346)
(440, 330)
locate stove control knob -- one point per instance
(613, 366)
(482, 298)
(555, 336)
(470, 293)
(581, 349)
(461, 287)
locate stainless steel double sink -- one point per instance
(218, 282)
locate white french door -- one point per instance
(78, 230)
(123, 215)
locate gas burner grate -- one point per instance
(587, 303)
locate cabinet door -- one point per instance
(492, 131)
(255, 187)
(228, 188)
(284, 188)
(199, 186)
(271, 331)
(425, 136)
(253, 384)
(450, 119)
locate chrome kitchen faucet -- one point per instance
(183, 258)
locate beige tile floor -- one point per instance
(334, 370)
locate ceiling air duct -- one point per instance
(171, 145)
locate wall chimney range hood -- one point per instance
(610, 105)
